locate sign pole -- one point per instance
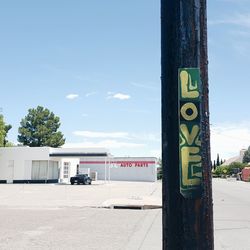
(187, 193)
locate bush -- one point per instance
(159, 173)
(231, 169)
(220, 171)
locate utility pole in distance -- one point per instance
(187, 193)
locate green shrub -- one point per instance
(231, 169)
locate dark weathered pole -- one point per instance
(187, 193)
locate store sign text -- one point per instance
(133, 164)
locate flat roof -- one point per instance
(77, 154)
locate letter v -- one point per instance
(190, 137)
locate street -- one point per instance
(73, 217)
(231, 214)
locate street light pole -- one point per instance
(187, 194)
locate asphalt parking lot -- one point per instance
(77, 217)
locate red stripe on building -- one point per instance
(116, 162)
(93, 162)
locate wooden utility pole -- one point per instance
(187, 192)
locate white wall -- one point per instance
(16, 162)
(122, 168)
(73, 162)
(22, 157)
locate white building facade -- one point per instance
(121, 168)
(42, 164)
(53, 165)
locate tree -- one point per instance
(4, 129)
(9, 144)
(214, 165)
(6, 143)
(232, 168)
(246, 157)
(159, 170)
(218, 160)
(39, 128)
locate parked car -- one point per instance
(81, 178)
(246, 174)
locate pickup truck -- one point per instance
(81, 178)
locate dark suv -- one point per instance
(81, 178)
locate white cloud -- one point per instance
(119, 96)
(229, 138)
(140, 111)
(234, 1)
(121, 143)
(156, 153)
(240, 33)
(240, 42)
(238, 19)
(90, 94)
(110, 144)
(153, 137)
(241, 48)
(72, 96)
(146, 86)
(92, 134)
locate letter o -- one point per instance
(185, 108)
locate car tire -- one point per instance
(72, 183)
(87, 182)
(78, 183)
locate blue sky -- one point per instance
(229, 47)
(97, 66)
